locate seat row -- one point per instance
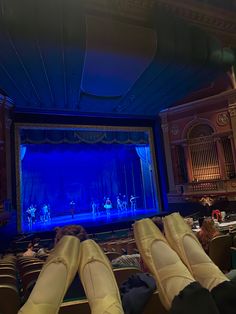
(9, 289)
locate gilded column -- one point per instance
(232, 113)
(188, 161)
(221, 158)
(233, 150)
(175, 164)
(167, 148)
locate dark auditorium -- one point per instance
(118, 157)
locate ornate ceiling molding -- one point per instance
(201, 14)
(223, 99)
(220, 22)
(136, 10)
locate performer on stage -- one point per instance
(45, 213)
(72, 209)
(94, 207)
(133, 203)
(124, 203)
(119, 204)
(31, 214)
(108, 206)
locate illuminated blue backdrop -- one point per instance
(57, 174)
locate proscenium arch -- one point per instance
(38, 126)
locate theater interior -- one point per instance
(110, 112)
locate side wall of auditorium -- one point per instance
(200, 141)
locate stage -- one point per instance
(89, 220)
(92, 183)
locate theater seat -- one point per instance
(9, 299)
(122, 274)
(219, 251)
(8, 280)
(112, 255)
(28, 279)
(7, 271)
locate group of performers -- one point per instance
(43, 214)
(121, 205)
(33, 214)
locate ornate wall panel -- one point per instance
(205, 132)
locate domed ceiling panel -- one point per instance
(59, 55)
(116, 55)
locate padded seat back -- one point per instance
(219, 251)
(7, 271)
(9, 299)
(9, 280)
(122, 274)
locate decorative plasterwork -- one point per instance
(138, 10)
(218, 21)
(201, 14)
(232, 110)
(225, 99)
(222, 119)
(174, 129)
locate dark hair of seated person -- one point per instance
(74, 230)
(159, 223)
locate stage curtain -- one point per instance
(40, 136)
(22, 152)
(149, 194)
(144, 154)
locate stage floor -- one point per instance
(89, 220)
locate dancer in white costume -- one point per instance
(108, 206)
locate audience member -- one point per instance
(29, 251)
(36, 244)
(41, 252)
(74, 230)
(159, 223)
(207, 232)
(129, 260)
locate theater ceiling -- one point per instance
(112, 57)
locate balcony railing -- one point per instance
(210, 187)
